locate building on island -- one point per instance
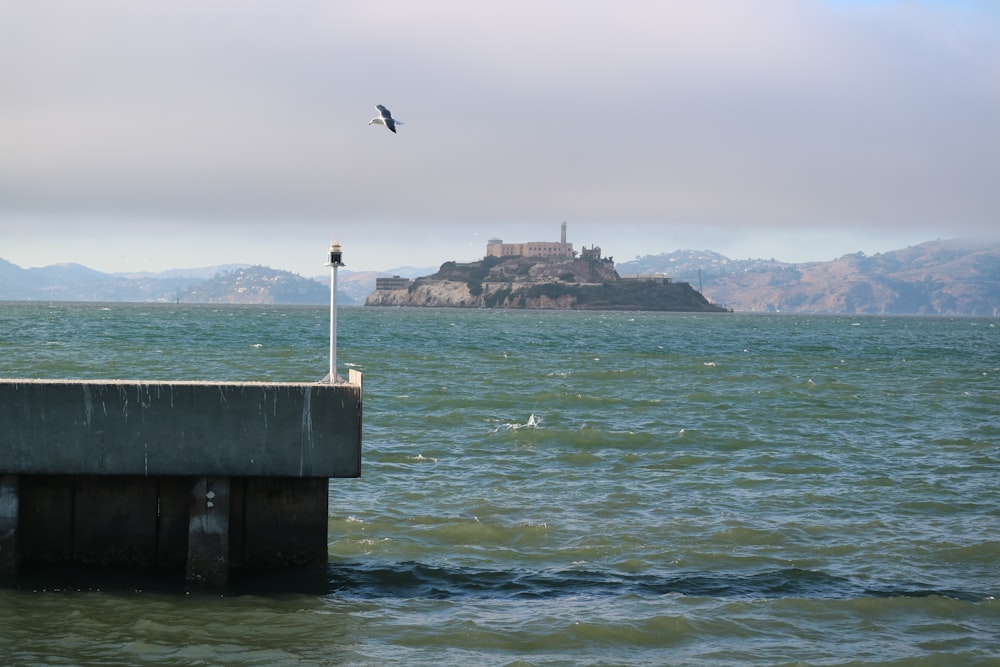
(497, 248)
(661, 278)
(392, 283)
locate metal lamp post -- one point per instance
(333, 261)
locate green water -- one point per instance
(547, 488)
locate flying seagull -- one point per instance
(385, 118)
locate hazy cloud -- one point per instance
(772, 114)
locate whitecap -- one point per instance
(533, 422)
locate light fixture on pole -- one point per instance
(333, 261)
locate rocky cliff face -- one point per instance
(525, 283)
(425, 292)
(452, 294)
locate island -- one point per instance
(540, 275)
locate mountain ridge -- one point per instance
(942, 277)
(231, 283)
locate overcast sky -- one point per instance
(155, 135)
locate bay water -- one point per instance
(576, 488)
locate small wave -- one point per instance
(413, 580)
(533, 422)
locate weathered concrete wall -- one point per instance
(203, 477)
(75, 427)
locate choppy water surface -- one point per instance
(546, 488)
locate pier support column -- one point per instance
(9, 508)
(114, 520)
(208, 532)
(285, 522)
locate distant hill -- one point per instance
(199, 273)
(257, 284)
(222, 284)
(934, 278)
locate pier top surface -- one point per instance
(131, 427)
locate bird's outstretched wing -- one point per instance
(385, 118)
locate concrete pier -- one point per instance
(197, 477)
